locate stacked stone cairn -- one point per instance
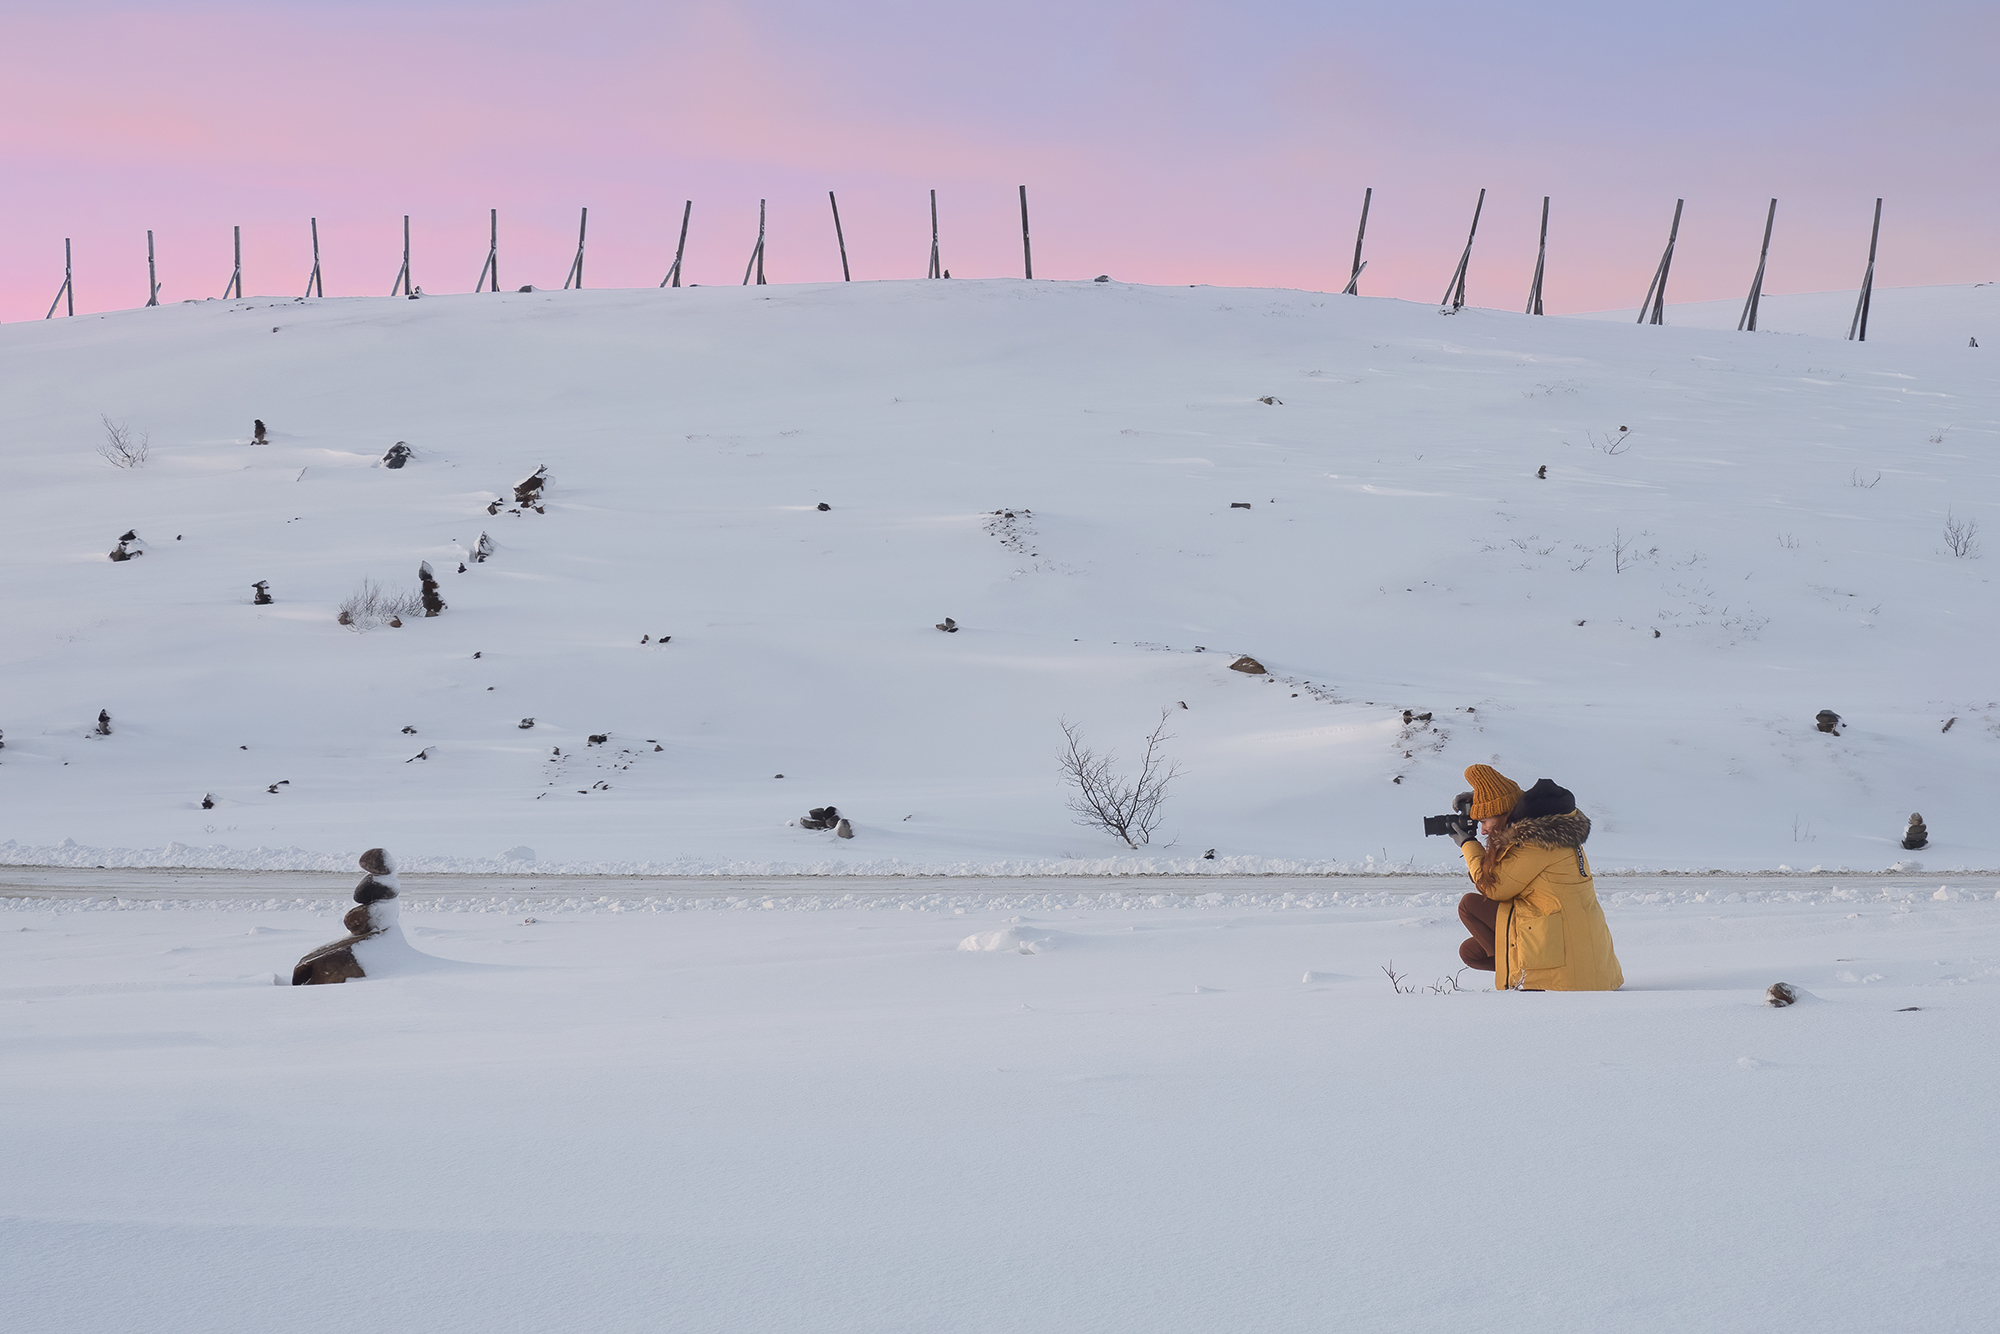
(1916, 836)
(433, 601)
(375, 913)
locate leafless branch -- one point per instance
(1961, 536)
(119, 449)
(1105, 799)
(1399, 980)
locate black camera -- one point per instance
(1436, 826)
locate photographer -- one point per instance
(1535, 921)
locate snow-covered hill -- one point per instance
(1735, 532)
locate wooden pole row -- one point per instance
(1652, 308)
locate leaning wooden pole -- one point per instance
(402, 283)
(1857, 330)
(1353, 287)
(1454, 292)
(67, 292)
(236, 275)
(314, 285)
(1541, 263)
(491, 269)
(936, 270)
(152, 274)
(673, 278)
(1027, 250)
(756, 264)
(1653, 310)
(839, 238)
(575, 278)
(1748, 320)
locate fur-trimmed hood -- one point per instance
(1569, 830)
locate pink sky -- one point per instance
(1168, 142)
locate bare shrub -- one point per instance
(120, 449)
(1625, 552)
(1400, 981)
(372, 605)
(1961, 536)
(1614, 443)
(1103, 799)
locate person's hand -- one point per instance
(1462, 830)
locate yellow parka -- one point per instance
(1550, 933)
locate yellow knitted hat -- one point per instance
(1493, 793)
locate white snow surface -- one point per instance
(725, 1115)
(1774, 511)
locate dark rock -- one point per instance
(1239, 504)
(1272, 400)
(1781, 994)
(257, 428)
(1827, 721)
(528, 490)
(525, 724)
(398, 455)
(824, 506)
(262, 589)
(1248, 665)
(599, 738)
(104, 722)
(844, 829)
(207, 802)
(948, 625)
(1543, 472)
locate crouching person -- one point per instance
(1535, 921)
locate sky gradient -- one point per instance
(1164, 142)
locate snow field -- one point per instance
(1400, 553)
(1181, 1117)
